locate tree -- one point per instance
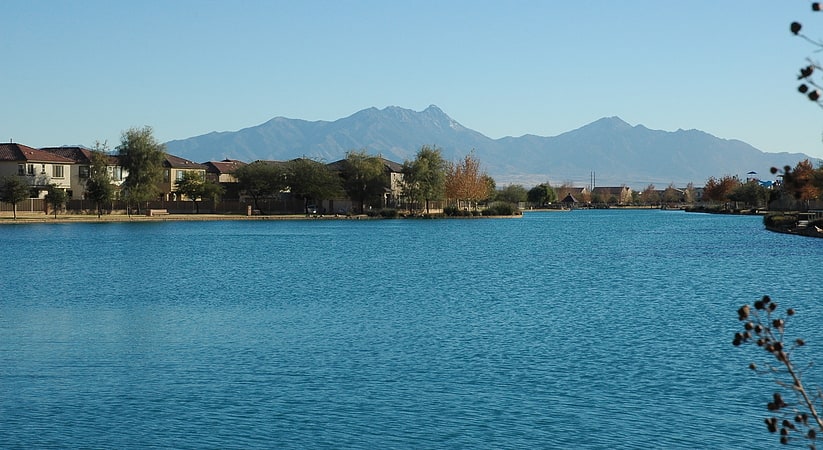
(514, 193)
(142, 156)
(195, 186)
(424, 178)
(751, 193)
(260, 179)
(13, 190)
(98, 186)
(671, 194)
(465, 181)
(311, 180)
(650, 196)
(541, 195)
(689, 195)
(763, 326)
(719, 190)
(56, 198)
(363, 177)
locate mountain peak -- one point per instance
(610, 123)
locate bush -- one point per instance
(388, 213)
(501, 209)
(780, 221)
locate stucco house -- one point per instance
(37, 167)
(621, 195)
(173, 169)
(80, 171)
(222, 173)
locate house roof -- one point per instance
(225, 166)
(176, 162)
(19, 152)
(610, 189)
(569, 199)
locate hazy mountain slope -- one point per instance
(611, 149)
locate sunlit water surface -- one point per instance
(583, 329)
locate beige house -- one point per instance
(80, 171)
(621, 195)
(173, 169)
(38, 168)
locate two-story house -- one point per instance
(80, 171)
(173, 169)
(38, 168)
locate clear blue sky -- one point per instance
(83, 70)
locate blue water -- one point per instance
(583, 329)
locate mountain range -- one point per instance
(609, 151)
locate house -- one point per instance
(579, 194)
(173, 169)
(621, 195)
(392, 191)
(80, 171)
(39, 168)
(222, 173)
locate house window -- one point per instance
(180, 175)
(30, 170)
(84, 172)
(21, 169)
(57, 171)
(166, 175)
(42, 169)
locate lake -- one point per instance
(582, 329)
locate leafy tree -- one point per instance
(142, 156)
(14, 190)
(424, 178)
(195, 186)
(719, 190)
(260, 179)
(56, 198)
(311, 180)
(98, 186)
(671, 194)
(541, 195)
(466, 182)
(514, 193)
(363, 177)
(751, 193)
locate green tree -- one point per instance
(98, 186)
(142, 156)
(14, 190)
(260, 179)
(363, 177)
(514, 193)
(195, 186)
(424, 178)
(751, 193)
(311, 181)
(541, 195)
(671, 194)
(56, 198)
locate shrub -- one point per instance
(501, 209)
(780, 221)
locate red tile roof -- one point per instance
(80, 155)
(177, 162)
(225, 166)
(20, 152)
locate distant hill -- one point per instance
(609, 149)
